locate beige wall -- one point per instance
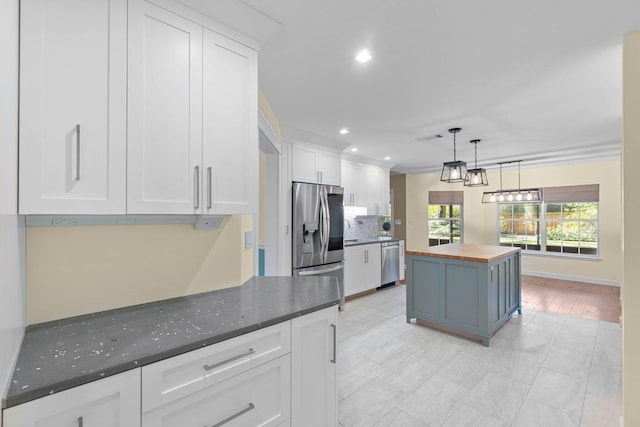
(399, 185)
(77, 270)
(480, 220)
(262, 207)
(264, 106)
(631, 198)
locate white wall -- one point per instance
(631, 251)
(12, 318)
(481, 225)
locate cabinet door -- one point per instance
(377, 192)
(164, 148)
(353, 183)
(258, 397)
(303, 164)
(353, 270)
(372, 266)
(111, 402)
(329, 166)
(313, 369)
(230, 126)
(73, 70)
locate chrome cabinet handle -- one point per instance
(321, 177)
(333, 360)
(77, 152)
(196, 187)
(80, 422)
(231, 359)
(210, 187)
(234, 416)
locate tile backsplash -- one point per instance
(361, 227)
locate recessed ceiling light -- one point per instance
(354, 149)
(363, 56)
(344, 131)
(387, 158)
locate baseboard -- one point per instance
(572, 278)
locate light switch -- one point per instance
(248, 239)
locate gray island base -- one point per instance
(468, 289)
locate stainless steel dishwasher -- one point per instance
(390, 262)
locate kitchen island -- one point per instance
(471, 289)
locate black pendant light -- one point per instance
(476, 177)
(456, 170)
(521, 195)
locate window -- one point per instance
(565, 222)
(445, 217)
(520, 225)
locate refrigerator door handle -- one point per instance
(328, 220)
(324, 232)
(324, 270)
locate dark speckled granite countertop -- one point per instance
(58, 355)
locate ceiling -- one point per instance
(537, 81)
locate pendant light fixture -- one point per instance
(456, 170)
(476, 177)
(521, 195)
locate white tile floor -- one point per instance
(541, 370)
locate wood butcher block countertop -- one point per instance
(467, 252)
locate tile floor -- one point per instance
(542, 369)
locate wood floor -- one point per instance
(572, 298)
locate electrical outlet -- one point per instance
(248, 239)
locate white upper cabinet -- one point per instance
(193, 123)
(230, 126)
(129, 108)
(310, 164)
(377, 190)
(73, 88)
(354, 184)
(164, 169)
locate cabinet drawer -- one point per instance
(110, 402)
(258, 397)
(173, 378)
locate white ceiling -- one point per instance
(539, 81)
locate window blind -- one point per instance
(572, 193)
(446, 197)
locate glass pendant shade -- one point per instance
(476, 177)
(521, 195)
(453, 171)
(524, 195)
(456, 170)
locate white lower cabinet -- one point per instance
(257, 397)
(110, 402)
(313, 369)
(281, 375)
(362, 268)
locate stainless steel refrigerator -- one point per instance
(318, 231)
